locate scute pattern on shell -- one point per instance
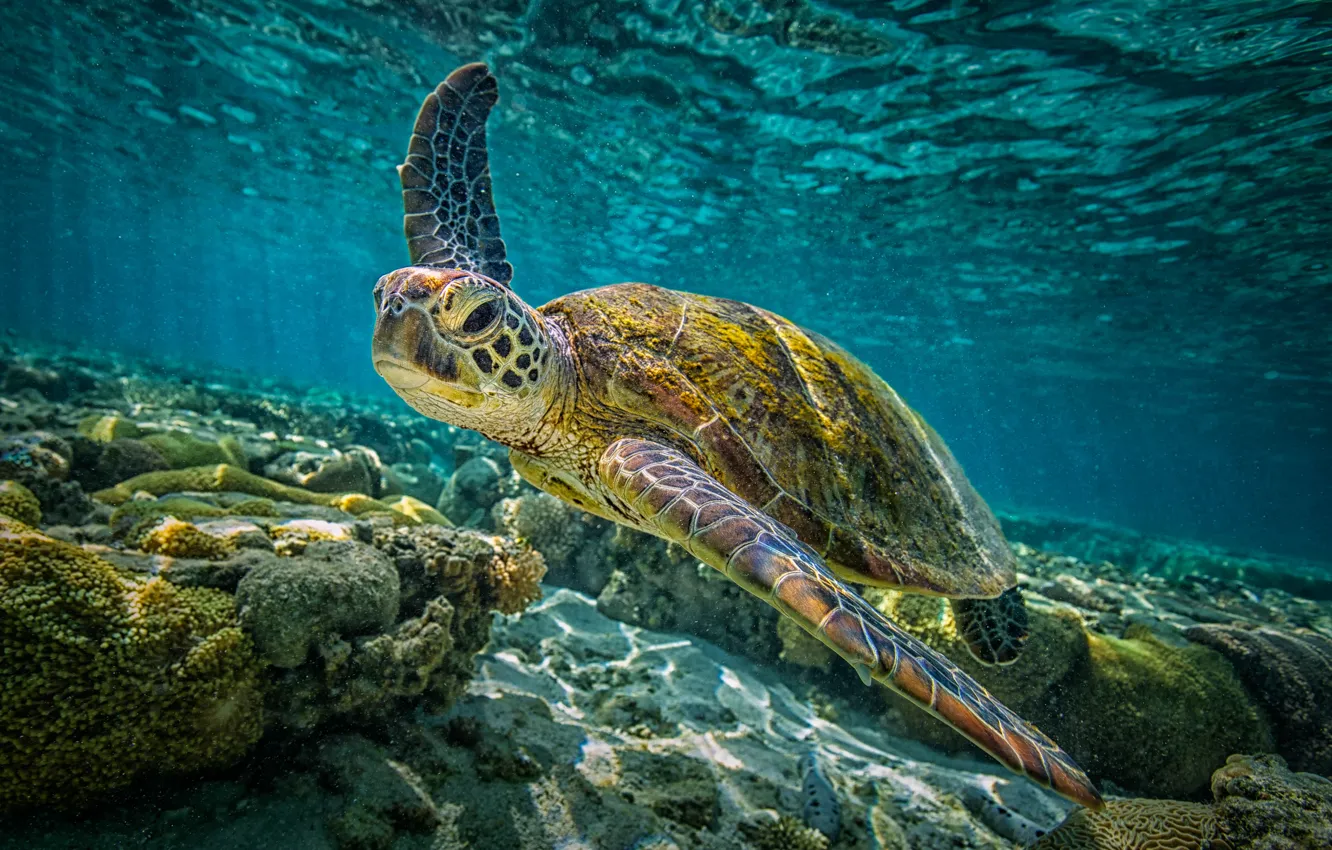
(795, 425)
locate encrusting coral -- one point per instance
(225, 478)
(107, 677)
(179, 539)
(18, 502)
(209, 479)
(183, 450)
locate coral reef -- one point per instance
(179, 539)
(40, 461)
(336, 587)
(1290, 675)
(547, 524)
(417, 511)
(446, 588)
(105, 429)
(108, 678)
(18, 502)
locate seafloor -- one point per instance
(241, 614)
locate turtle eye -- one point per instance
(481, 318)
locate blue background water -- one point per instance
(1089, 241)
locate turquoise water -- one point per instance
(1087, 240)
(250, 598)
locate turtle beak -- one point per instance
(413, 360)
(400, 376)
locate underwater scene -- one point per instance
(660, 425)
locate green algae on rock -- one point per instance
(1150, 716)
(209, 479)
(109, 678)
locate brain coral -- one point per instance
(1139, 825)
(107, 678)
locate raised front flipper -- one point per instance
(450, 219)
(675, 499)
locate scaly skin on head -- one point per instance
(463, 349)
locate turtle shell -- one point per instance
(795, 425)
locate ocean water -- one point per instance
(1087, 240)
(1091, 242)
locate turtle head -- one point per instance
(462, 348)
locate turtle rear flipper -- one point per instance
(995, 630)
(668, 494)
(450, 219)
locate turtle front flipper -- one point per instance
(450, 219)
(672, 497)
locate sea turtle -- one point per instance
(764, 449)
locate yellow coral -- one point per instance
(105, 429)
(107, 677)
(1138, 825)
(210, 479)
(18, 502)
(358, 504)
(418, 512)
(515, 579)
(179, 539)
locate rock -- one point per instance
(331, 472)
(122, 460)
(1261, 805)
(50, 383)
(1101, 697)
(413, 479)
(474, 487)
(1290, 675)
(41, 462)
(337, 587)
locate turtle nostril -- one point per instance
(396, 305)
